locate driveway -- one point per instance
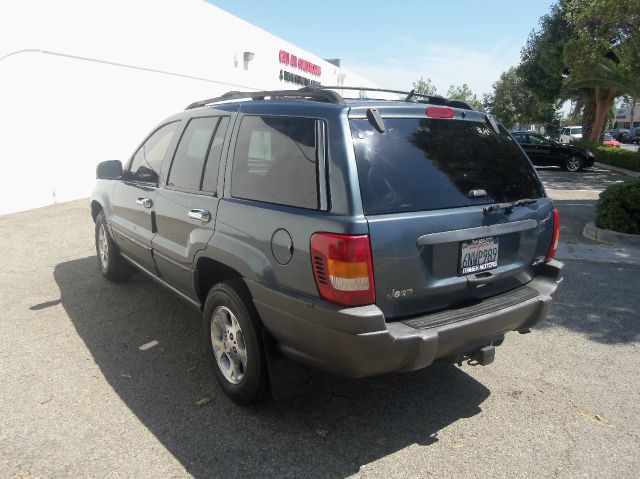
(80, 398)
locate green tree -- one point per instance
(425, 87)
(587, 50)
(464, 93)
(515, 104)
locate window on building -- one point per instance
(210, 178)
(275, 161)
(188, 162)
(147, 161)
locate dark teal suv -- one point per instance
(356, 236)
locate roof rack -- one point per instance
(326, 94)
(408, 96)
(316, 94)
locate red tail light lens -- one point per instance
(440, 112)
(343, 269)
(555, 237)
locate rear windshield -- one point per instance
(426, 164)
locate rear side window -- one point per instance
(427, 164)
(188, 161)
(576, 131)
(275, 161)
(146, 163)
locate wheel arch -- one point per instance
(96, 208)
(209, 272)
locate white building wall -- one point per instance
(83, 81)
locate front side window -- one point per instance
(147, 161)
(188, 161)
(275, 161)
(537, 140)
(519, 137)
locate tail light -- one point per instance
(555, 237)
(343, 269)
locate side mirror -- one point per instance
(109, 170)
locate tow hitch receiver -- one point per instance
(482, 356)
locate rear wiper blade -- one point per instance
(508, 206)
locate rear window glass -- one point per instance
(426, 164)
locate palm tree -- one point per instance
(607, 80)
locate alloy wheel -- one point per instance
(103, 247)
(228, 344)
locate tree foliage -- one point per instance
(425, 87)
(589, 51)
(464, 93)
(584, 50)
(516, 105)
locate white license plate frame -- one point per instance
(479, 255)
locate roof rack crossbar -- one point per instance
(322, 95)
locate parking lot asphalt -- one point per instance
(79, 398)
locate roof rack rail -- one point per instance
(326, 94)
(316, 94)
(408, 96)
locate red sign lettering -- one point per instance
(295, 62)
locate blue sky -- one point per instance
(395, 43)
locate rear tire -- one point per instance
(232, 334)
(573, 164)
(112, 266)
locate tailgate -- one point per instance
(425, 186)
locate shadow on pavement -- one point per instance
(555, 178)
(599, 300)
(337, 426)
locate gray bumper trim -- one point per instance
(358, 342)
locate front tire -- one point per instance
(232, 334)
(573, 164)
(111, 264)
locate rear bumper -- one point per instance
(357, 342)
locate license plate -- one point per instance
(479, 255)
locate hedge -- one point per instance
(618, 157)
(612, 156)
(619, 207)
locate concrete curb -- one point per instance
(617, 169)
(591, 231)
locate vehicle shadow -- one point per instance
(330, 431)
(605, 311)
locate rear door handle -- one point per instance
(146, 202)
(201, 215)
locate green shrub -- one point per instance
(612, 156)
(619, 207)
(619, 157)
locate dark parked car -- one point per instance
(544, 152)
(359, 237)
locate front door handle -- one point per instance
(201, 215)
(146, 202)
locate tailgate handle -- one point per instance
(477, 232)
(480, 279)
